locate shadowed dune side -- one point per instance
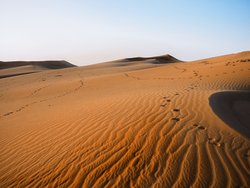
(138, 125)
(44, 64)
(17, 68)
(18, 74)
(129, 64)
(164, 59)
(233, 107)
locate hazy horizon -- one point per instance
(96, 31)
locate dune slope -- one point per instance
(234, 108)
(16, 68)
(124, 126)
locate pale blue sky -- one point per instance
(91, 31)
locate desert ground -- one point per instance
(135, 122)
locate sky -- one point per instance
(90, 31)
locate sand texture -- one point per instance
(136, 122)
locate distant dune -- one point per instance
(134, 122)
(129, 64)
(15, 68)
(156, 59)
(42, 64)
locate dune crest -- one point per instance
(125, 123)
(16, 68)
(156, 59)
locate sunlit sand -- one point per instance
(135, 122)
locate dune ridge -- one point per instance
(157, 59)
(16, 68)
(124, 126)
(45, 64)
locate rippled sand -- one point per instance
(127, 123)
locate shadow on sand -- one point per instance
(233, 107)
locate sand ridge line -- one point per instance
(121, 132)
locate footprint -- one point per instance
(214, 142)
(8, 113)
(176, 119)
(217, 144)
(247, 155)
(201, 127)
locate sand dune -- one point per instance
(127, 123)
(128, 64)
(16, 68)
(156, 59)
(234, 108)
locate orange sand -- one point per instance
(128, 123)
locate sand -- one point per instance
(16, 68)
(233, 107)
(127, 123)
